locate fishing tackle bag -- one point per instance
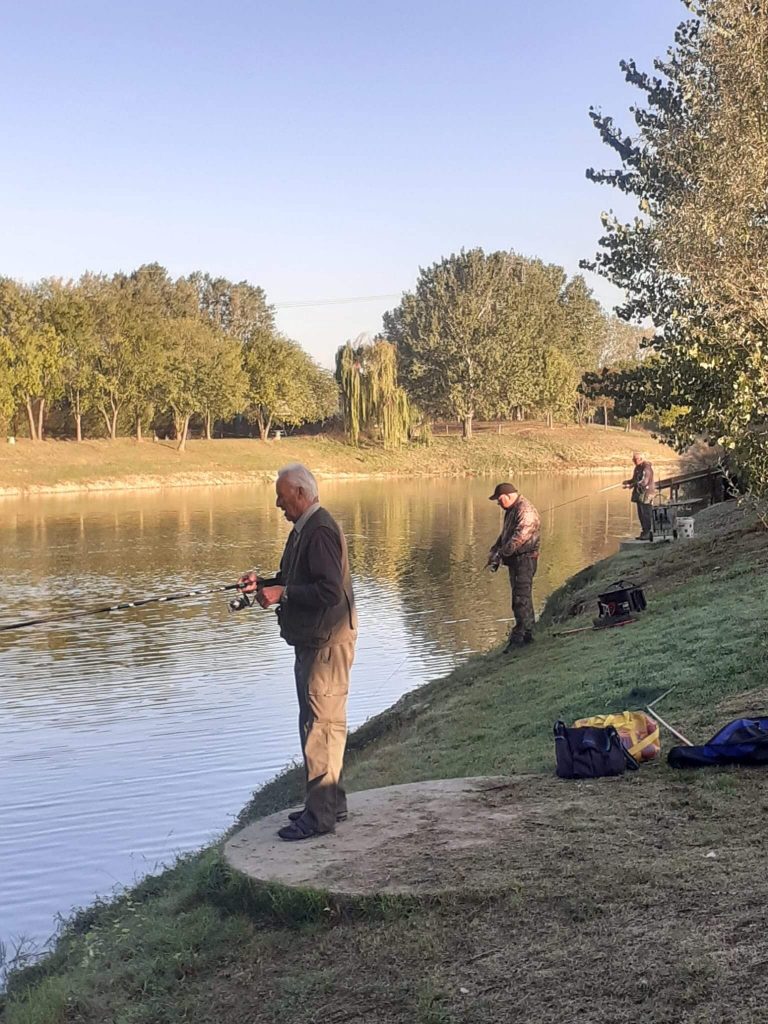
(590, 752)
(742, 741)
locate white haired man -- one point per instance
(641, 483)
(315, 604)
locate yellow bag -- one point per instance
(639, 732)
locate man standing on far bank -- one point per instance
(315, 606)
(641, 483)
(517, 547)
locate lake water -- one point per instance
(129, 738)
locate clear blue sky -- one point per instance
(319, 148)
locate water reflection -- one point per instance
(131, 737)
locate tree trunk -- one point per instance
(31, 417)
(40, 413)
(78, 416)
(184, 426)
(629, 424)
(466, 427)
(113, 424)
(605, 417)
(208, 427)
(139, 437)
(265, 425)
(550, 421)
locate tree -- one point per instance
(448, 334)
(354, 397)
(33, 372)
(371, 395)
(148, 300)
(188, 366)
(558, 381)
(111, 381)
(585, 326)
(240, 310)
(71, 317)
(284, 384)
(225, 384)
(694, 259)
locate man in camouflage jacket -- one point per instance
(517, 547)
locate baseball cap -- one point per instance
(502, 489)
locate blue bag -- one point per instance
(742, 741)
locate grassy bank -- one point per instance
(54, 466)
(639, 899)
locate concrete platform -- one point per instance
(423, 838)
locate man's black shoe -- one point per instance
(298, 830)
(295, 815)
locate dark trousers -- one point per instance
(522, 569)
(645, 515)
(322, 687)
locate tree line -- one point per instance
(489, 335)
(694, 261)
(128, 351)
(482, 335)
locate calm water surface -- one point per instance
(130, 738)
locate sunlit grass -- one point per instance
(103, 464)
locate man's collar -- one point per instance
(307, 514)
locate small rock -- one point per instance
(464, 991)
(711, 855)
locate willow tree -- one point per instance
(353, 398)
(372, 398)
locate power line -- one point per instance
(303, 303)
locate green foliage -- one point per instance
(285, 385)
(494, 335)
(694, 259)
(371, 395)
(32, 375)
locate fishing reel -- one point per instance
(237, 604)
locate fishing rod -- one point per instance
(570, 501)
(122, 605)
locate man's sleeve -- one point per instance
(646, 481)
(323, 553)
(527, 525)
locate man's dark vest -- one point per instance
(304, 625)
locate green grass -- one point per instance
(612, 909)
(64, 465)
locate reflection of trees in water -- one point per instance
(426, 541)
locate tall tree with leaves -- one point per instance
(225, 384)
(71, 316)
(34, 371)
(694, 259)
(188, 366)
(448, 334)
(285, 385)
(371, 395)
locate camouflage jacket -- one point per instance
(642, 483)
(520, 534)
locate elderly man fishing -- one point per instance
(315, 605)
(517, 547)
(641, 483)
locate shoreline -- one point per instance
(150, 484)
(102, 467)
